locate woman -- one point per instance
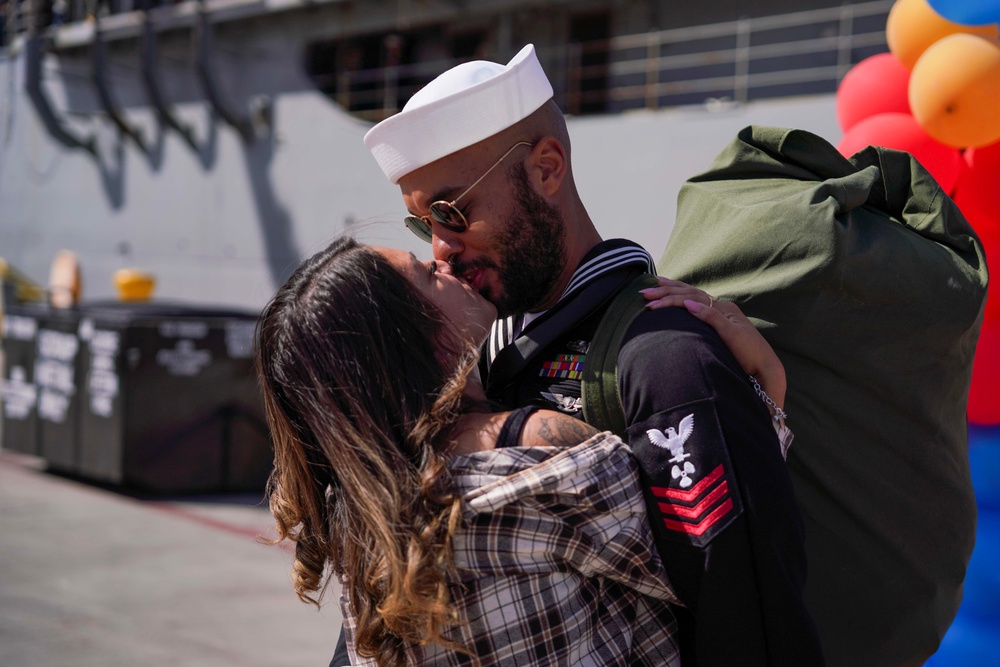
(393, 470)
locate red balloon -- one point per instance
(878, 84)
(988, 231)
(984, 394)
(979, 192)
(902, 132)
(976, 197)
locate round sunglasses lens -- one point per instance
(448, 216)
(419, 227)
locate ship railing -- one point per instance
(793, 54)
(771, 56)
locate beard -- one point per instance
(530, 251)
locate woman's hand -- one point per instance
(674, 293)
(753, 353)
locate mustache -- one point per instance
(460, 268)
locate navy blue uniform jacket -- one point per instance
(719, 494)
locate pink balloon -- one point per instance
(902, 132)
(878, 84)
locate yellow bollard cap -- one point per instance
(134, 285)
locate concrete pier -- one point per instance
(92, 577)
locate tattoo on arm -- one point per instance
(562, 431)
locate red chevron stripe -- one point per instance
(699, 528)
(692, 493)
(699, 509)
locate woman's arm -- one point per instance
(754, 354)
(548, 428)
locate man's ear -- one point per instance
(548, 165)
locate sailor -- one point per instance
(482, 158)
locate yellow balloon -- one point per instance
(955, 91)
(913, 26)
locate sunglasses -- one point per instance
(444, 212)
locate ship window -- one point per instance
(373, 76)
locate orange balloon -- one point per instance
(913, 25)
(955, 91)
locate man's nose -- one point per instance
(446, 245)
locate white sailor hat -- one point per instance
(461, 107)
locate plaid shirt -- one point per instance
(555, 561)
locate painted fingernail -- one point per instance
(693, 306)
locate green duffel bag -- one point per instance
(870, 284)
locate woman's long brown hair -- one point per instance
(359, 408)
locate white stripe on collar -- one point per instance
(606, 261)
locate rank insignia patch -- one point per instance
(695, 511)
(689, 472)
(566, 367)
